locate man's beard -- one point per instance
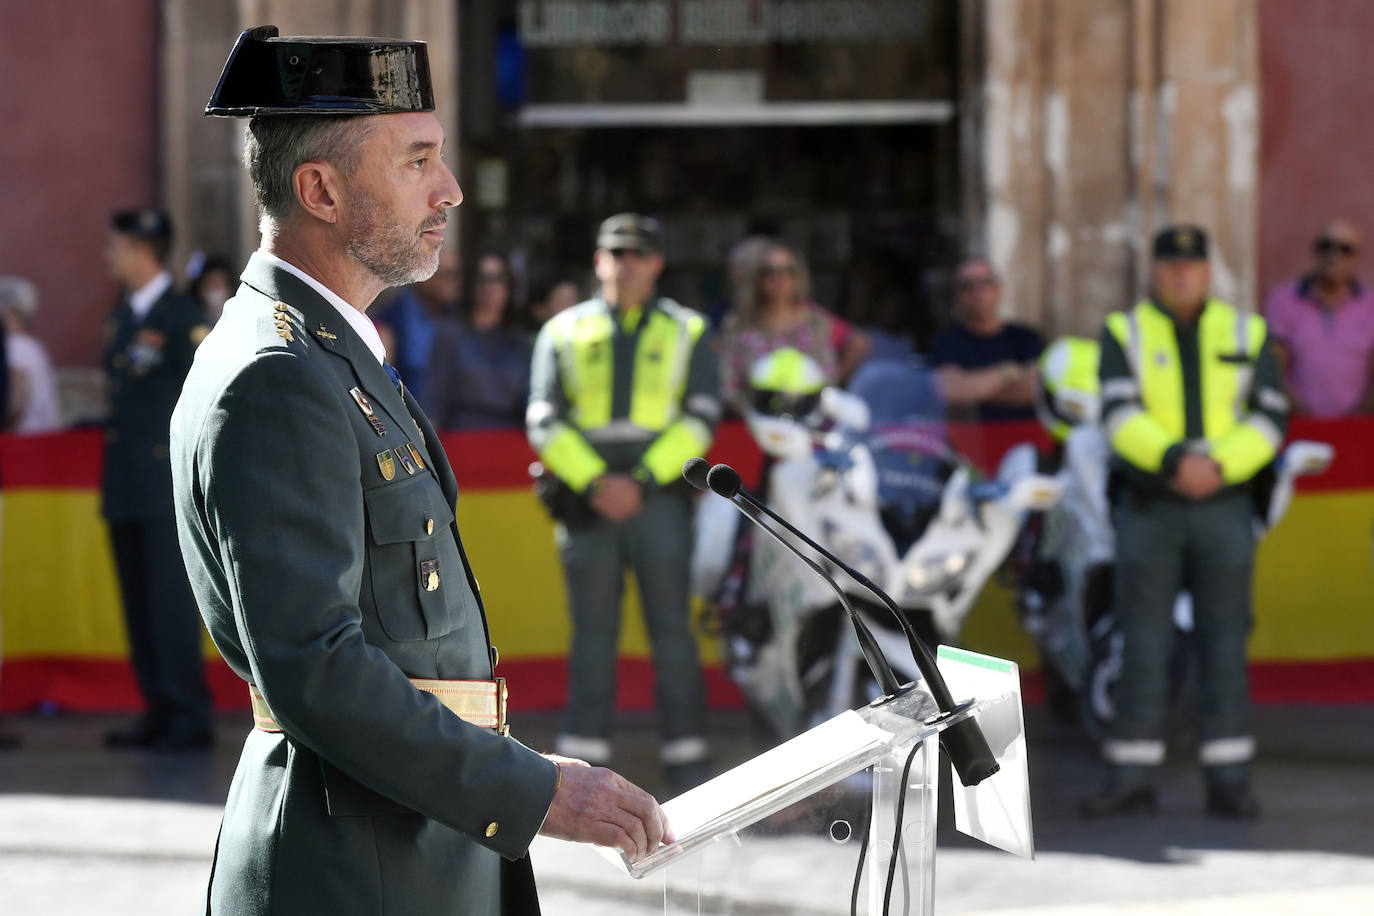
(394, 253)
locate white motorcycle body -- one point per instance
(827, 486)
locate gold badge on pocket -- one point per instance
(415, 453)
(406, 462)
(429, 574)
(386, 464)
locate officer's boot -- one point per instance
(1128, 790)
(1229, 794)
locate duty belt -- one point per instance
(481, 703)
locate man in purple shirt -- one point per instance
(1322, 326)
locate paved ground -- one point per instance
(84, 830)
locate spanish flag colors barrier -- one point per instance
(63, 642)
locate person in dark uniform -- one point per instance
(1194, 409)
(150, 338)
(317, 516)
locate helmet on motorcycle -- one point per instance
(1068, 392)
(786, 382)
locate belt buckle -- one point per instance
(502, 726)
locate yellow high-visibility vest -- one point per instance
(1240, 440)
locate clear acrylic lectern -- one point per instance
(808, 825)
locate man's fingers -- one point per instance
(599, 806)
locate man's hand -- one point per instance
(1018, 384)
(616, 496)
(1198, 476)
(595, 805)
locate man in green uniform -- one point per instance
(623, 391)
(316, 510)
(1193, 406)
(150, 339)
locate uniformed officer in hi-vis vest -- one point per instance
(1194, 409)
(623, 391)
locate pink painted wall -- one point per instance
(79, 101)
(1317, 130)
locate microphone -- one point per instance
(964, 741)
(694, 472)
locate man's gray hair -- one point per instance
(18, 294)
(274, 146)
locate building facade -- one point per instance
(881, 137)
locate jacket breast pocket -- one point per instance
(413, 567)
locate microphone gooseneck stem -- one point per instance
(924, 661)
(882, 671)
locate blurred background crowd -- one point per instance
(884, 180)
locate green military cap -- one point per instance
(1181, 243)
(630, 230)
(267, 74)
(142, 223)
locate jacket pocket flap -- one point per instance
(411, 510)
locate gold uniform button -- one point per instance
(492, 828)
(429, 526)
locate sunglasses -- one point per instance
(1329, 246)
(619, 253)
(778, 270)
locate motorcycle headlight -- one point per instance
(933, 574)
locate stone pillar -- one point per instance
(1101, 122)
(205, 184)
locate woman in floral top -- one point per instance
(773, 310)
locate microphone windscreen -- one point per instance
(695, 471)
(724, 480)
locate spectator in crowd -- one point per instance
(213, 281)
(773, 309)
(1322, 329)
(409, 324)
(623, 393)
(479, 373)
(32, 401)
(150, 338)
(980, 340)
(548, 297)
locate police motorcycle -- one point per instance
(868, 474)
(1062, 563)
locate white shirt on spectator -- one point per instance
(26, 356)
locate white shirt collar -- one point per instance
(145, 297)
(360, 323)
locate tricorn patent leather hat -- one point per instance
(305, 74)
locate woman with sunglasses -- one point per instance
(772, 310)
(479, 375)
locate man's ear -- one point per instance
(317, 188)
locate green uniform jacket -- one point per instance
(327, 585)
(145, 363)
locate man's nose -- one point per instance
(448, 193)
